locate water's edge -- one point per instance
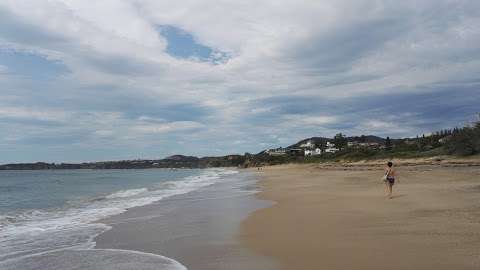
(199, 229)
(85, 227)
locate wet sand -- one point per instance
(338, 218)
(198, 229)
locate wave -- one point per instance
(38, 231)
(126, 193)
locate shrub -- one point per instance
(465, 141)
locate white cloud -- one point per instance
(3, 69)
(166, 127)
(32, 114)
(376, 124)
(383, 128)
(312, 120)
(103, 133)
(123, 84)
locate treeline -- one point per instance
(464, 141)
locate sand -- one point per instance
(339, 218)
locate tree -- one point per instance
(388, 144)
(465, 141)
(340, 141)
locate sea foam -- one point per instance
(93, 259)
(126, 193)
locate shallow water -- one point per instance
(54, 214)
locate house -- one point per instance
(373, 145)
(308, 144)
(331, 148)
(313, 152)
(445, 139)
(353, 144)
(296, 151)
(277, 152)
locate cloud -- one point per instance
(101, 76)
(149, 128)
(311, 120)
(3, 69)
(28, 113)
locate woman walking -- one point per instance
(389, 179)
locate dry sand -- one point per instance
(338, 218)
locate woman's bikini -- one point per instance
(390, 179)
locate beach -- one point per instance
(198, 229)
(295, 216)
(338, 217)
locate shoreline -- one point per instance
(443, 160)
(336, 217)
(197, 229)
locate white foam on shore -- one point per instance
(93, 259)
(36, 232)
(126, 193)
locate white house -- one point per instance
(313, 152)
(331, 148)
(308, 144)
(353, 144)
(277, 152)
(445, 139)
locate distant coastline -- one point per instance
(445, 144)
(177, 161)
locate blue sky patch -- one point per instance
(183, 45)
(31, 65)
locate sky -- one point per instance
(127, 79)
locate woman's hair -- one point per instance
(390, 164)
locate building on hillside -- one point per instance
(445, 139)
(372, 145)
(330, 148)
(308, 144)
(330, 145)
(313, 152)
(375, 145)
(354, 144)
(296, 151)
(277, 151)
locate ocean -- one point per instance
(49, 219)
